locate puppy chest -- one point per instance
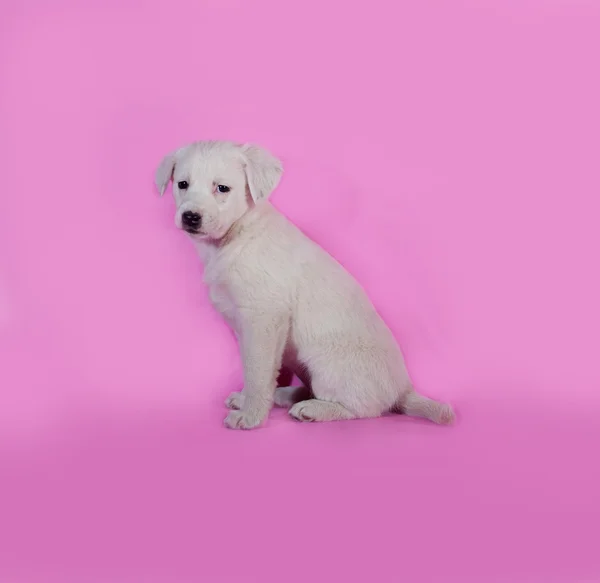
(222, 302)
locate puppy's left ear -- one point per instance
(263, 171)
(164, 172)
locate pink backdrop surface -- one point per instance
(446, 152)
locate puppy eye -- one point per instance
(183, 184)
(223, 188)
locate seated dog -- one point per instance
(293, 308)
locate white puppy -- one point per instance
(293, 308)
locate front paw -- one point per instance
(235, 400)
(243, 419)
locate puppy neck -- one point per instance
(246, 226)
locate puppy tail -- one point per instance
(415, 405)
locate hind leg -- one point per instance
(316, 410)
(288, 396)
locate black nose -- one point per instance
(191, 220)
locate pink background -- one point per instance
(446, 152)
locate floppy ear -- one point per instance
(263, 171)
(164, 172)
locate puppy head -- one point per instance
(216, 183)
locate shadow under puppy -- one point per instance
(294, 309)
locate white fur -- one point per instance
(294, 309)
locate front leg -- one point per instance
(284, 380)
(262, 341)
